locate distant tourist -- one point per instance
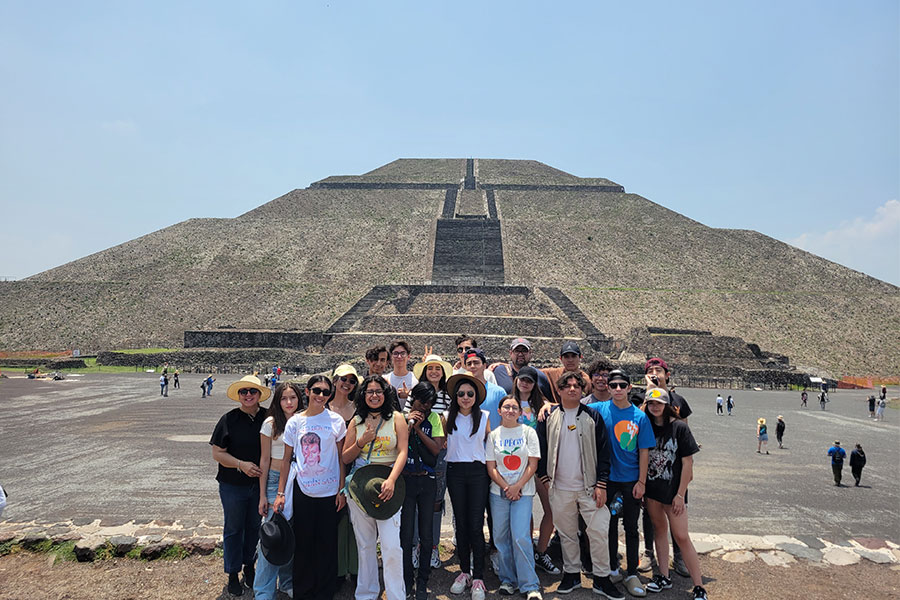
(519, 356)
(883, 393)
(2, 500)
(803, 398)
(400, 376)
(570, 356)
(779, 430)
(729, 404)
(163, 384)
(175, 383)
(464, 343)
(670, 471)
(209, 384)
(236, 447)
(762, 435)
(823, 398)
(872, 402)
(720, 405)
(857, 462)
(879, 412)
(837, 455)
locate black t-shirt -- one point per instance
(238, 433)
(681, 406)
(674, 441)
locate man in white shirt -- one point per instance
(401, 377)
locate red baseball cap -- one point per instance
(656, 362)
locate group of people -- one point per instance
(359, 462)
(722, 403)
(877, 405)
(857, 462)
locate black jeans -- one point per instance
(836, 469)
(418, 505)
(315, 550)
(631, 510)
(468, 485)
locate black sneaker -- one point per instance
(543, 560)
(659, 583)
(679, 567)
(604, 587)
(234, 585)
(249, 576)
(570, 582)
(700, 593)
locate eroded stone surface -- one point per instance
(840, 557)
(705, 546)
(801, 551)
(882, 557)
(777, 558)
(739, 556)
(752, 542)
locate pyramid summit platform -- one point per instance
(596, 262)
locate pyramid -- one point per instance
(566, 256)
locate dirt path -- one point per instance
(26, 576)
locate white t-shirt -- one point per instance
(314, 440)
(511, 447)
(409, 379)
(568, 475)
(462, 447)
(277, 443)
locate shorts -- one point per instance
(764, 437)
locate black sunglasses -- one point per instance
(348, 379)
(462, 349)
(319, 391)
(618, 385)
(245, 391)
(464, 393)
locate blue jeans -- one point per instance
(266, 573)
(512, 536)
(240, 504)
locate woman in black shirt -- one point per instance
(235, 446)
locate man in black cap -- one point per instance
(570, 356)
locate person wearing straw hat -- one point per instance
(236, 447)
(436, 371)
(378, 435)
(762, 435)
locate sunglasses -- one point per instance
(319, 391)
(618, 385)
(348, 379)
(462, 349)
(465, 393)
(245, 391)
(374, 392)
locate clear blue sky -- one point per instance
(120, 118)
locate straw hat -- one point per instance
(248, 381)
(466, 377)
(432, 359)
(761, 421)
(366, 485)
(345, 369)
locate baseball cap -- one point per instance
(528, 372)
(570, 347)
(657, 395)
(656, 362)
(617, 374)
(519, 342)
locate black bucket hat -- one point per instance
(276, 540)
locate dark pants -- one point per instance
(468, 484)
(631, 510)
(315, 551)
(836, 469)
(719, 409)
(240, 504)
(418, 506)
(857, 473)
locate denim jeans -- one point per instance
(512, 536)
(267, 574)
(467, 483)
(240, 504)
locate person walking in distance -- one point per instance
(720, 402)
(779, 430)
(729, 404)
(857, 462)
(837, 455)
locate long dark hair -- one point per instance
(667, 415)
(454, 410)
(321, 379)
(276, 412)
(424, 392)
(442, 384)
(362, 409)
(535, 399)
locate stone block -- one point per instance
(154, 551)
(882, 557)
(122, 544)
(32, 540)
(840, 557)
(750, 542)
(801, 551)
(149, 539)
(739, 556)
(706, 546)
(777, 558)
(871, 543)
(202, 546)
(86, 548)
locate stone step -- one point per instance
(483, 324)
(468, 251)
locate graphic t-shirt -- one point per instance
(511, 447)
(314, 440)
(629, 430)
(431, 427)
(674, 441)
(529, 417)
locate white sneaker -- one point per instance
(462, 581)
(477, 589)
(435, 558)
(507, 589)
(534, 595)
